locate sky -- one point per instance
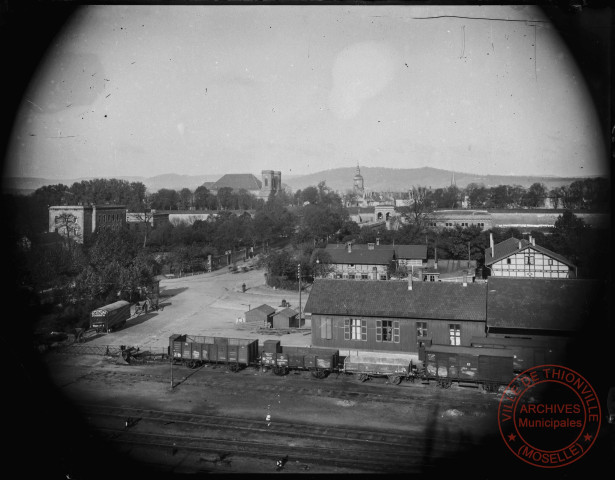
(201, 90)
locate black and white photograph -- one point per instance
(308, 238)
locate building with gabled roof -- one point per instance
(396, 316)
(286, 318)
(369, 263)
(262, 315)
(271, 183)
(523, 258)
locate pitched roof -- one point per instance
(287, 313)
(266, 309)
(541, 304)
(512, 245)
(401, 251)
(238, 181)
(411, 251)
(436, 300)
(361, 256)
(358, 210)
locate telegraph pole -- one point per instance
(299, 277)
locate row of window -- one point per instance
(362, 276)
(110, 217)
(529, 260)
(452, 224)
(386, 330)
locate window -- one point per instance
(550, 261)
(508, 261)
(325, 328)
(421, 329)
(529, 259)
(364, 276)
(455, 333)
(338, 275)
(387, 331)
(355, 329)
(383, 277)
(351, 276)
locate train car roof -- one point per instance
(477, 351)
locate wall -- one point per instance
(518, 267)
(437, 331)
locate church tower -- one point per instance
(358, 187)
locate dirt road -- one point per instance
(208, 304)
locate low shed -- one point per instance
(286, 318)
(262, 315)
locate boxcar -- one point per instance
(486, 367)
(395, 366)
(527, 352)
(110, 316)
(193, 351)
(319, 361)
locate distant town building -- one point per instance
(271, 182)
(523, 258)
(79, 222)
(138, 220)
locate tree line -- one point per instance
(591, 194)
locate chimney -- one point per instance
(377, 240)
(492, 245)
(534, 241)
(349, 245)
(410, 282)
(519, 244)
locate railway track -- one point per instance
(305, 387)
(365, 450)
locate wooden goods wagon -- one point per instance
(396, 367)
(489, 367)
(193, 351)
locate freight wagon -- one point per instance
(194, 351)
(395, 366)
(486, 367)
(110, 317)
(319, 361)
(527, 352)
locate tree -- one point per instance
(203, 198)
(534, 196)
(477, 195)
(185, 199)
(67, 226)
(419, 207)
(165, 199)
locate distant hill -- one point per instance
(377, 179)
(380, 179)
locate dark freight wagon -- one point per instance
(527, 352)
(194, 350)
(489, 367)
(110, 317)
(319, 361)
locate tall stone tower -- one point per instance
(271, 182)
(358, 187)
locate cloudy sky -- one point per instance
(148, 90)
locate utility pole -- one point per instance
(299, 277)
